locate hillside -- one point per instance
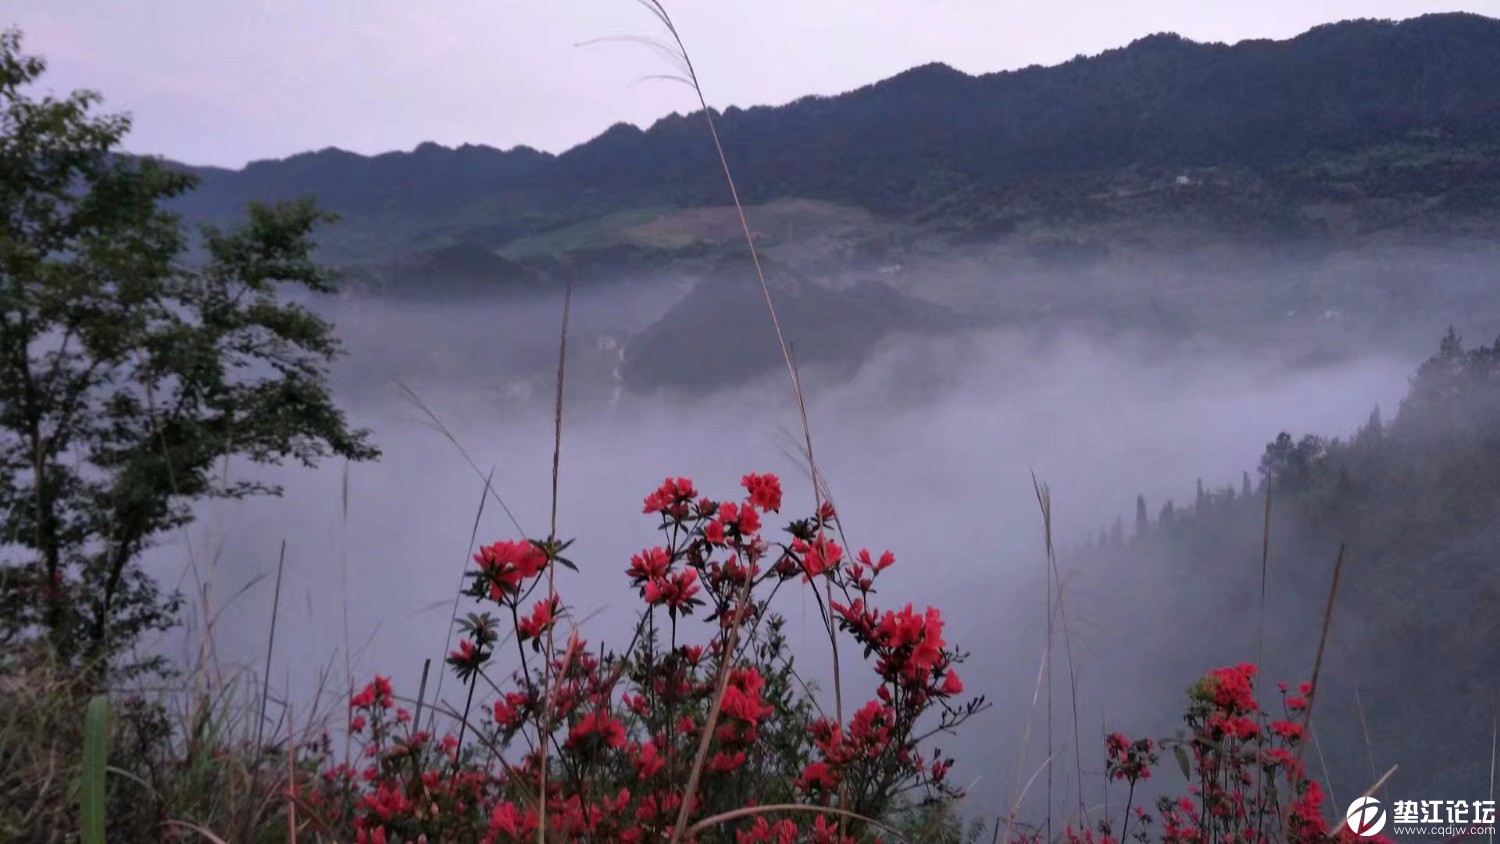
(1349, 130)
(835, 328)
(1416, 502)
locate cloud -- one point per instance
(939, 475)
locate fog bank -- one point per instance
(929, 450)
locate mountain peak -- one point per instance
(932, 133)
(1161, 40)
(931, 72)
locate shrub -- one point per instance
(593, 745)
(1247, 783)
(608, 746)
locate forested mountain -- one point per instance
(1348, 113)
(1416, 504)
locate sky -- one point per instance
(225, 82)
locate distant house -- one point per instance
(1184, 181)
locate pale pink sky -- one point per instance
(227, 81)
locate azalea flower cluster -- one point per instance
(1247, 780)
(401, 780)
(597, 745)
(589, 745)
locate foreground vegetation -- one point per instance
(673, 739)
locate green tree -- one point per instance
(1292, 464)
(1373, 429)
(128, 372)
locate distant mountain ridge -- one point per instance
(931, 137)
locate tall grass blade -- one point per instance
(1260, 637)
(790, 808)
(344, 577)
(436, 423)
(1265, 568)
(1054, 579)
(459, 592)
(676, 49)
(204, 831)
(291, 778)
(1312, 695)
(1364, 726)
(557, 420)
(1333, 591)
(265, 682)
(95, 761)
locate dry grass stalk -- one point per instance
(1054, 580)
(546, 714)
(676, 53)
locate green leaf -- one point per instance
(95, 761)
(566, 563)
(1182, 762)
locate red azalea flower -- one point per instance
(363, 699)
(510, 711)
(506, 818)
(1232, 688)
(674, 591)
(652, 562)
(819, 555)
(714, 532)
(387, 802)
(749, 521)
(464, 655)
(818, 776)
(765, 491)
(671, 498)
(506, 564)
(725, 762)
(647, 759)
(600, 726)
(1289, 730)
(765, 832)
(940, 769)
(742, 696)
(887, 559)
(543, 615)
(377, 693)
